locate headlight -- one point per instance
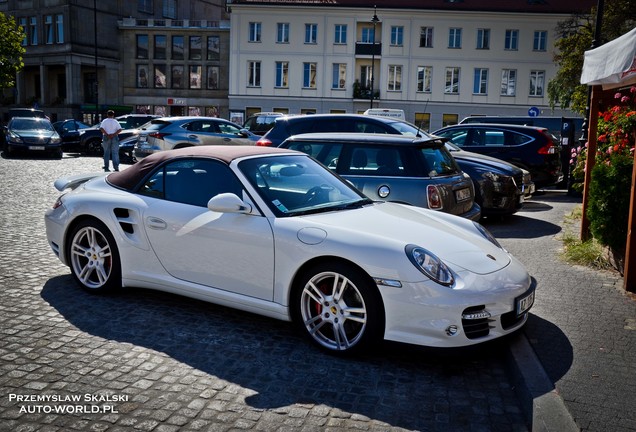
(430, 265)
(15, 138)
(487, 235)
(56, 140)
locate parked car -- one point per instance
(31, 134)
(532, 148)
(169, 133)
(91, 138)
(501, 188)
(286, 126)
(260, 123)
(273, 232)
(26, 112)
(69, 131)
(416, 171)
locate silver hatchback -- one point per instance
(417, 171)
(167, 133)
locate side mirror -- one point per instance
(244, 133)
(228, 203)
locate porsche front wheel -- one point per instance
(339, 308)
(93, 257)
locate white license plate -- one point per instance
(462, 194)
(143, 139)
(36, 147)
(524, 303)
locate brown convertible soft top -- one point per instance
(129, 178)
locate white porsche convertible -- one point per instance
(273, 232)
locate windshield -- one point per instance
(31, 124)
(295, 185)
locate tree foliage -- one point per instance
(11, 50)
(574, 37)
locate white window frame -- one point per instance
(424, 79)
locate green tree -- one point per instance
(575, 36)
(11, 50)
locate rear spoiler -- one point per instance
(72, 182)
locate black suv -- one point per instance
(416, 171)
(532, 148)
(288, 125)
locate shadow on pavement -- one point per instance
(551, 346)
(402, 385)
(510, 227)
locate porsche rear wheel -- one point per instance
(93, 257)
(339, 308)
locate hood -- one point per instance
(476, 158)
(453, 239)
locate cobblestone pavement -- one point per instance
(148, 361)
(583, 324)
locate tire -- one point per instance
(338, 307)
(94, 257)
(94, 147)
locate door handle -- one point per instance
(156, 223)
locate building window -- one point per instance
(214, 48)
(59, 26)
(33, 30)
(195, 48)
(49, 31)
(426, 37)
(455, 38)
(540, 41)
(512, 40)
(255, 32)
(480, 81)
(160, 76)
(311, 33)
(213, 78)
(449, 119)
(177, 76)
(483, 38)
(170, 9)
(423, 121)
(195, 77)
(395, 78)
(161, 42)
(537, 80)
(144, 6)
(309, 75)
(367, 35)
(282, 74)
(341, 34)
(178, 47)
(142, 76)
(508, 82)
(339, 76)
(452, 80)
(397, 35)
(254, 70)
(282, 33)
(424, 78)
(142, 46)
(22, 23)
(366, 73)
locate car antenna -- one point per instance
(419, 135)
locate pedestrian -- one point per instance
(110, 142)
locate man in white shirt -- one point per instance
(110, 142)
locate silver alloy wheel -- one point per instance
(91, 257)
(333, 311)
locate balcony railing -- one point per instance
(366, 48)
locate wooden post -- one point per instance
(629, 276)
(590, 160)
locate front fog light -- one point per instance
(451, 330)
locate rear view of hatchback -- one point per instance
(416, 171)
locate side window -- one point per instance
(374, 161)
(513, 138)
(456, 136)
(191, 181)
(227, 128)
(493, 137)
(327, 154)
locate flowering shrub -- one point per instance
(609, 195)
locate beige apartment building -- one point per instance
(438, 60)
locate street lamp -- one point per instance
(374, 20)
